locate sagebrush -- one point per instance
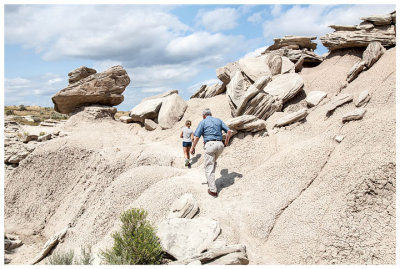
(136, 243)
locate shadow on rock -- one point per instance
(227, 179)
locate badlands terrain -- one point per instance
(308, 178)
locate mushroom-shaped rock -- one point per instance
(104, 88)
(184, 238)
(285, 86)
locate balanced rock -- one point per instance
(185, 207)
(285, 86)
(172, 109)
(150, 125)
(362, 99)
(356, 114)
(104, 88)
(80, 73)
(380, 28)
(314, 97)
(184, 238)
(292, 117)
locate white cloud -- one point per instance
(219, 19)
(255, 53)
(102, 66)
(276, 10)
(313, 20)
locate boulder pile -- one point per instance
(380, 28)
(165, 109)
(87, 88)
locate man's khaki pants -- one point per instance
(212, 150)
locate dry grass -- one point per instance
(121, 113)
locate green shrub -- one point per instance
(9, 112)
(86, 256)
(58, 116)
(21, 108)
(136, 243)
(62, 258)
(42, 133)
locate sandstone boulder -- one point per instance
(292, 117)
(314, 97)
(185, 207)
(384, 19)
(172, 109)
(104, 88)
(236, 89)
(246, 123)
(356, 114)
(226, 72)
(299, 42)
(362, 99)
(275, 64)
(150, 125)
(147, 109)
(355, 71)
(80, 73)
(184, 238)
(287, 65)
(254, 67)
(372, 53)
(285, 86)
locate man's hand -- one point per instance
(193, 151)
(196, 139)
(228, 136)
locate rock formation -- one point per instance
(362, 99)
(104, 88)
(292, 117)
(80, 73)
(355, 114)
(315, 97)
(246, 123)
(207, 91)
(380, 28)
(165, 109)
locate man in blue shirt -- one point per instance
(211, 130)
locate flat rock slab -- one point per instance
(146, 110)
(255, 67)
(185, 207)
(292, 117)
(356, 114)
(285, 86)
(150, 125)
(172, 109)
(184, 238)
(104, 88)
(315, 97)
(338, 101)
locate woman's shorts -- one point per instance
(187, 144)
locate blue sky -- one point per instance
(162, 47)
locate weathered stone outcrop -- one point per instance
(150, 125)
(314, 97)
(183, 238)
(172, 109)
(246, 123)
(80, 73)
(185, 207)
(104, 88)
(147, 109)
(362, 99)
(380, 28)
(285, 86)
(355, 114)
(207, 91)
(338, 101)
(292, 117)
(370, 56)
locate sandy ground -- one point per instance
(293, 197)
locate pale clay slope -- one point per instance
(295, 196)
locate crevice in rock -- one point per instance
(300, 193)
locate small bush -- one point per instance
(9, 112)
(21, 108)
(86, 256)
(62, 258)
(42, 133)
(137, 242)
(58, 116)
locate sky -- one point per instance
(162, 47)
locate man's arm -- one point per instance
(196, 139)
(228, 136)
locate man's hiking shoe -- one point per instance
(213, 194)
(189, 166)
